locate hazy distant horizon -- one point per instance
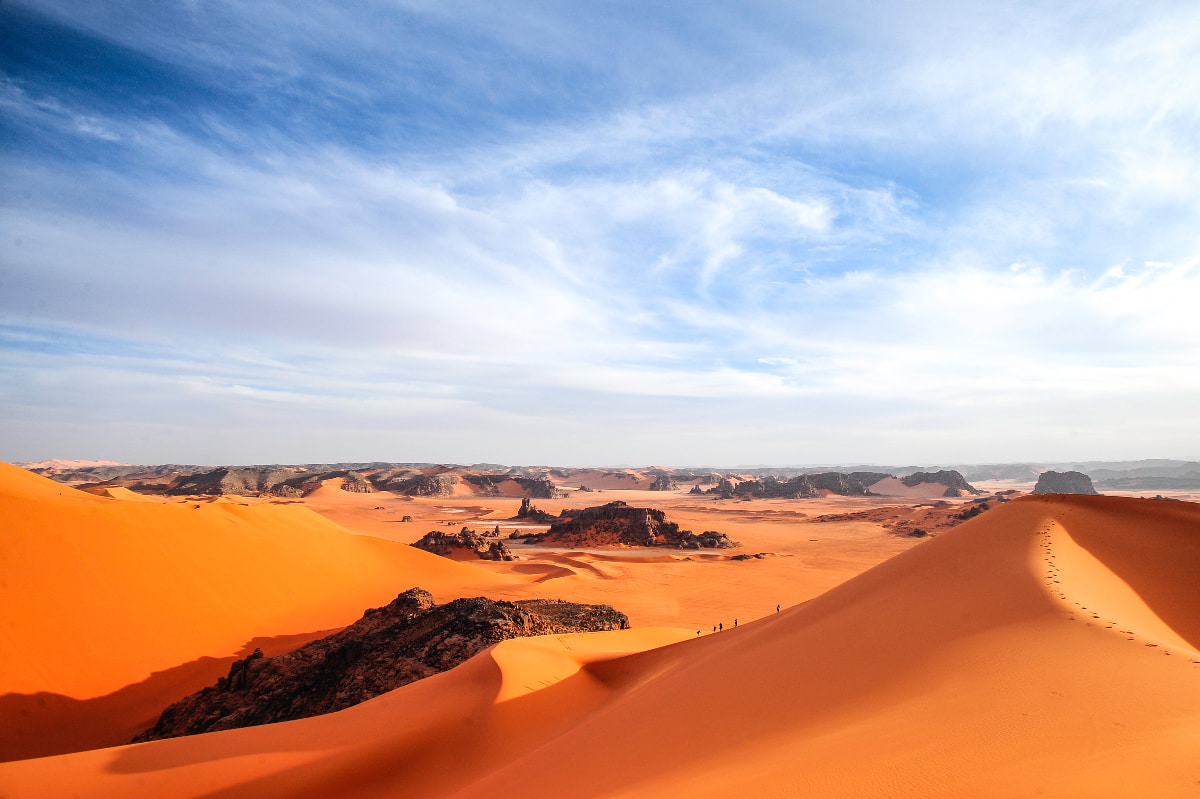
(717, 468)
(599, 233)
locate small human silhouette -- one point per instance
(697, 633)
(721, 626)
(777, 607)
(714, 628)
(735, 622)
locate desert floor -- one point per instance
(1050, 646)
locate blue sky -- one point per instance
(595, 233)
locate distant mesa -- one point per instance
(492, 480)
(391, 646)
(1064, 483)
(464, 545)
(818, 484)
(619, 524)
(804, 486)
(244, 482)
(956, 486)
(537, 487)
(422, 485)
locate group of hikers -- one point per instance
(720, 626)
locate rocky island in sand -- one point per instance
(406, 640)
(619, 524)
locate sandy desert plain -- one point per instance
(1049, 646)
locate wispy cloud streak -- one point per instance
(604, 234)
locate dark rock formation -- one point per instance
(663, 482)
(1064, 483)
(801, 486)
(956, 486)
(464, 542)
(426, 485)
(529, 512)
(696, 489)
(973, 511)
(388, 647)
(247, 482)
(618, 524)
(539, 487)
(723, 489)
(355, 483)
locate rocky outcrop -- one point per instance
(464, 543)
(539, 487)
(246, 482)
(355, 483)
(529, 512)
(663, 482)
(1064, 483)
(956, 486)
(802, 486)
(426, 485)
(388, 647)
(618, 524)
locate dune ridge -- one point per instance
(959, 667)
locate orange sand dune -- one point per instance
(966, 666)
(97, 593)
(38, 725)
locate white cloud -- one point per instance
(929, 232)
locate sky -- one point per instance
(701, 233)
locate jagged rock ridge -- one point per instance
(404, 641)
(802, 486)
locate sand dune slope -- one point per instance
(96, 593)
(967, 666)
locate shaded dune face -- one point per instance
(1045, 647)
(97, 593)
